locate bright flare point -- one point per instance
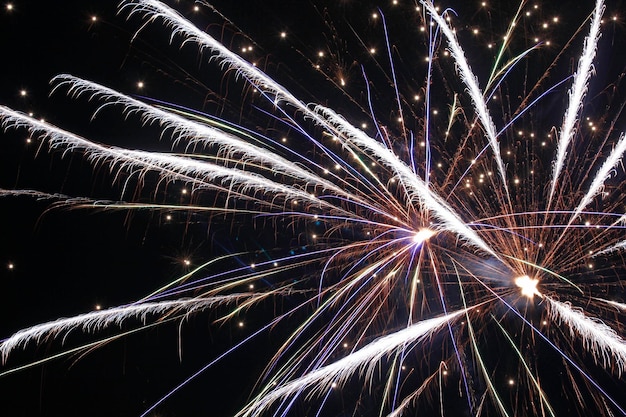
(528, 286)
(422, 235)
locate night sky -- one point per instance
(57, 261)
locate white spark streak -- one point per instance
(468, 77)
(577, 95)
(603, 174)
(606, 346)
(620, 306)
(96, 320)
(338, 372)
(152, 10)
(617, 247)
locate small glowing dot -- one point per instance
(283, 35)
(511, 382)
(140, 84)
(334, 385)
(372, 51)
(11, 265)
(284, 140)
(241, 324)
(252, 266)
(545, 322)
(98, 307)
(187, 262)
(168, 217)
(23, 93)
(196, 8)
(275, 264)
(445, 372)
(94, 18)
(363, 125)
(435, 111)
(345, 345)
(320, 54)
(251, 286)
(184, 191)
(374, 15)
(9, 6)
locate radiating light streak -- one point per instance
(96, 320)
(468, 77)
(605, 345)
(338, 372)
(576, 96)
(603, 174)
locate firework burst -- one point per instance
(432, 259)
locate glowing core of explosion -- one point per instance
(528, 286)
(423, 235)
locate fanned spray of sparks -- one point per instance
(428, 274)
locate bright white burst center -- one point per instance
(528, 285)
(422, 235)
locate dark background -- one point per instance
(67, 262)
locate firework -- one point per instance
(411, 263)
